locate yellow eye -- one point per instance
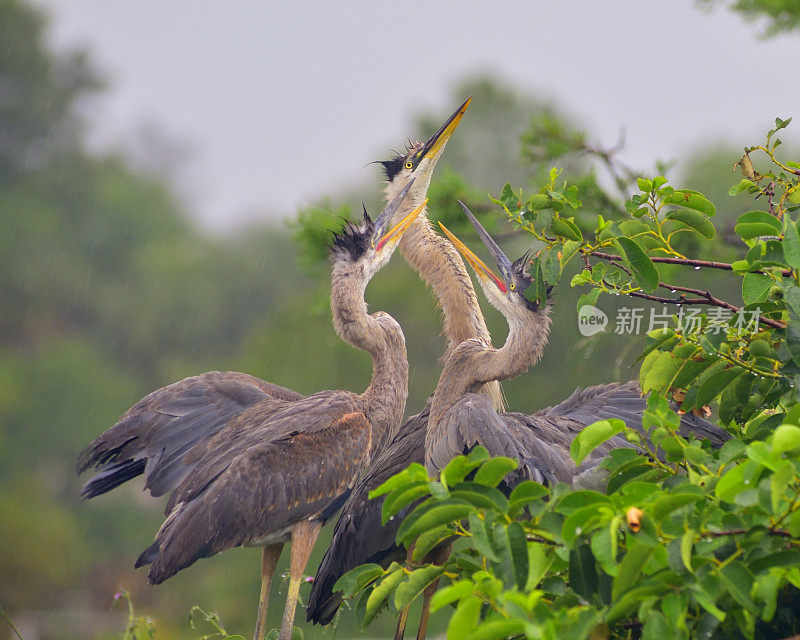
(513, 286)
(409, 165)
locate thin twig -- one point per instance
(707, 299)
(687, 262)
(740, 532)
(11, 624)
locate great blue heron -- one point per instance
(539, 441)
(358, 536)
(460, 419)
(279, 466)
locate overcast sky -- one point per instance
(281, 102)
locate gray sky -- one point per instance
(282, 102)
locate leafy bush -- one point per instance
(687, 541)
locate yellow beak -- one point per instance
(481, 270)
(395, 233)
(438, 139)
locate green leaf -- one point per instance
(755, 287)
(566, 228)
(401, 498)
(667, 504)
(428, 541)
(585, 520)
(570, 249)
(413, 473)
(479, 530)
(691, 200)
(739, 582)
(707, 602)
(458, 469)
(499, 629)
(518, 543)
(540, 558)
(416, 583)
(380, 594)
(791, 244)
(716, 384)
(494, 470)
(785, 438)
(523, 494)
(354, 581)
(443, 512)
(658, 371)
(687, 544)
(630, 569)
(592, 436)
(480, 496)
(644, 269)
(452, 593)
(738, 479)
(754, 224)
(695, 220)
(465, 619)
(582, 571)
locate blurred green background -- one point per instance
(108, 290)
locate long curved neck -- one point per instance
(438, 263)
(475, 362)
(384, 400)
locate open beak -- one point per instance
(396, 232)
(438, 139)
(500, 258)
(481, 270)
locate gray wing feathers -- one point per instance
(359, 536)
(154, 436)
(472, 421)
(260, 492)
(624, 401)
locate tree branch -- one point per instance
(687, 262)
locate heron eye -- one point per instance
(409, 165)
(513, 286)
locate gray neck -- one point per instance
(474, 362)
(439, 264)
(384, 400)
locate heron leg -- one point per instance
(269, 558)
(304, 535)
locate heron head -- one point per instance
(370, 244)
(513, 289)
(420, 158)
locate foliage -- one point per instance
(686, 541)
(780, 16)
(702, 544)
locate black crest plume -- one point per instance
(352, 242)
(392, 166)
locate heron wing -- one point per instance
(154, 436)
(472, 421)
(625, 402)
(359, 536)
(280, 474)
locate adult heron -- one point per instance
(278, 467)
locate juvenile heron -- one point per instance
(278, 469)
(460, 419)
(359, 536)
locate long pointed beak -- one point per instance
(385, 216)
(438, 139)
(503, 263)
(481, 270)
(396, 232)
